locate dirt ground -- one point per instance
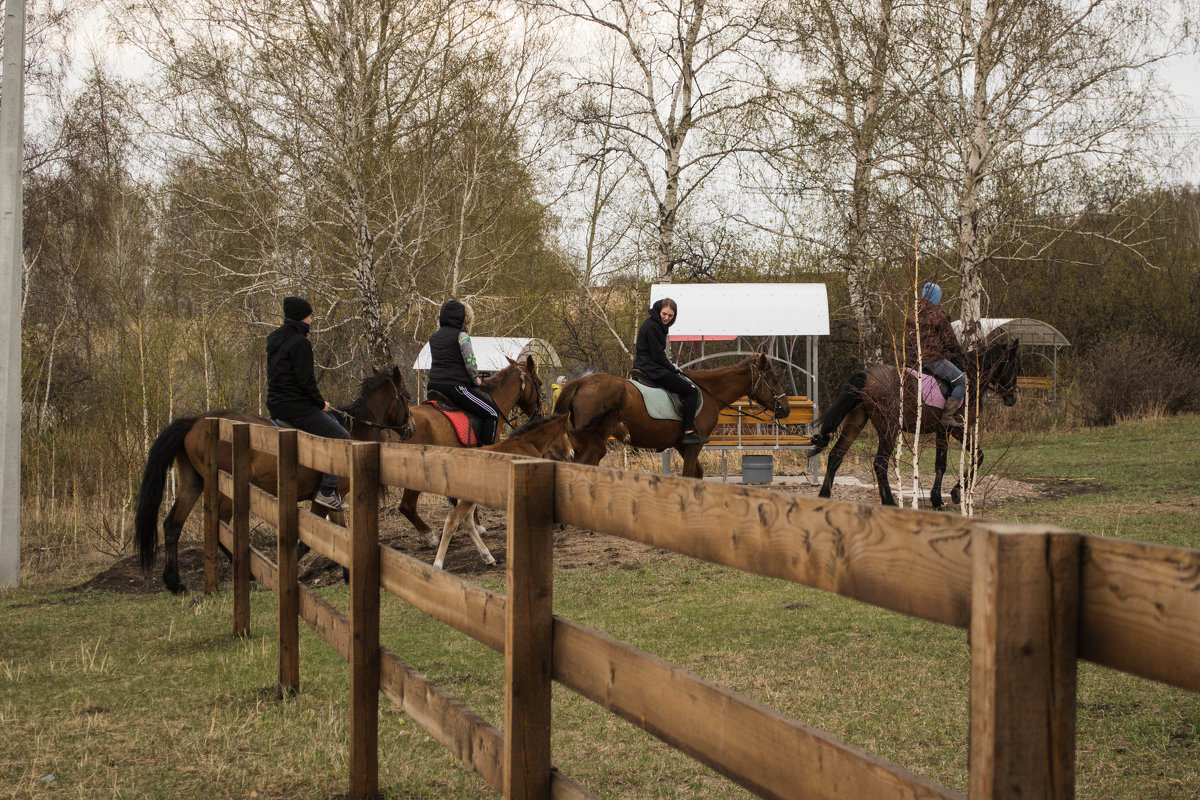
(573, 547)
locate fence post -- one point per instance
(289, 585)
(212, 505)
(1024, 645)
(364, 620)
(528, 630)
(240, 526)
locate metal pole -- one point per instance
(12, 113)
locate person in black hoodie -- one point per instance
(292, 393)
(653, 360)
(454, 372)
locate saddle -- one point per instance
(465, 425)
(660, 404)
(934, 390)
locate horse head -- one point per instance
(529, 398)
(765, 386)
(382, 402)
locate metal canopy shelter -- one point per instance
(1038, 339)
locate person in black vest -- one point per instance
(453, 371)
(653, 359)
(292, 393)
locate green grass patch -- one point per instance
(126, 696)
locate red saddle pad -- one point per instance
(461, 422)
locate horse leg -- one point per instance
(691, 461)
(883, 457)
(475, 529)
(453, 520)
(408, 507)
(851, 428)
(935, 493)
(191, 488)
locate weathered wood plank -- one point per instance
(364, 620)
(472, 475)
(329, 623)
(324, 455)
(286, 540)
(1024, 628)
(264, 570)
(1141, 609)
(471, 739)
(917, 563)
(463, 606)
(240, 524)
(528, 630)
(264, 439)
(328, 539)
(264, 505)
(224, 484)
(212, 505)
(755, 746)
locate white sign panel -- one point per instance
(747, 309)
(491, 352)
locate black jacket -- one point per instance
(291, 384)
(652, 356)
(446, 367)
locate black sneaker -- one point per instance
(692, 437)
(331, 500)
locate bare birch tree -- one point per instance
(672, 105)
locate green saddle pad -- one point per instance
(661, 404)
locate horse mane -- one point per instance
(744, 364)
(535, 422)
(358, 406)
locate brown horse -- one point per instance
(533, 439)
(517, 385)
(381, 406)
(753, 377)
(874, 395)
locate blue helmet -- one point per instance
(933, 293)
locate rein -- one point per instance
(405, 429)
(757, 379)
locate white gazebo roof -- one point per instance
(1030, 332)
(747, 309)
(492, 352)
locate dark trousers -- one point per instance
(474, 402)
(688, 393)
(319, 423)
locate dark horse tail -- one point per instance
(849, 397)
(154, 481)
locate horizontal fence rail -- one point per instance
(1035, 600)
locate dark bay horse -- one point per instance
(753, 377)
(874, 395)
(515, 386)
(381, 406)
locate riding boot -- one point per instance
(949, 418)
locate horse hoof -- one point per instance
(431, 540)
(490, 561)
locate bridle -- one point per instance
(405, 429)
(521, 396)
(757, 380)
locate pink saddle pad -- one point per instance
(931, 395)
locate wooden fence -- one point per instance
(1035, 601)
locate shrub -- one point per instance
(1132, 374)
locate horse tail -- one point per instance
(154, 482)
(849, 397)
(563, 404)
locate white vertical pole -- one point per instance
(12, 114)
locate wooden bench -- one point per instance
(1031, 382)
(746, 427)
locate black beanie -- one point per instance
(296, 308)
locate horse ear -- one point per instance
(515, 364)
(529, 363)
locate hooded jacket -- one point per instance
(652, 354)
(937, 336)
(291, 383)
(452, 359)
